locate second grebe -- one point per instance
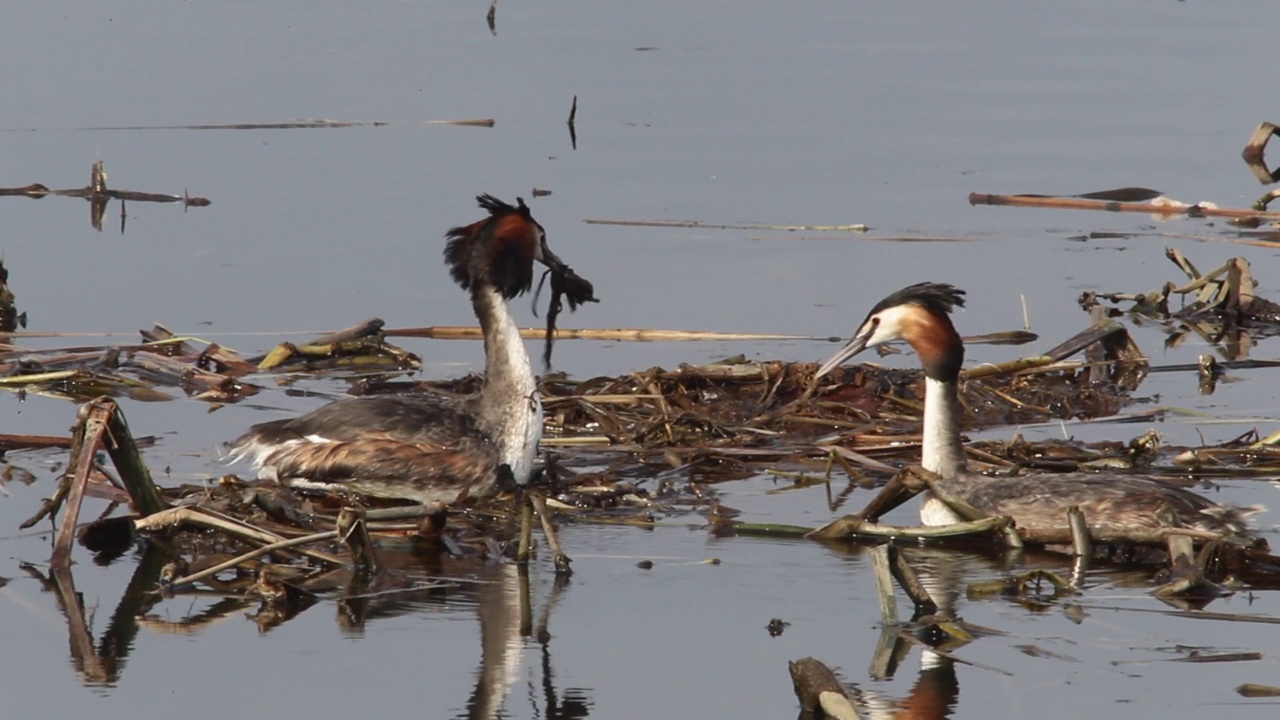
(429, 448)
(920, 315)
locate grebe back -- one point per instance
(920, 315)
(428, 448)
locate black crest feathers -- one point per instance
(939, 298)
(499, 249)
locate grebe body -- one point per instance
(920, 315)
(428, 448)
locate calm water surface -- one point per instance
(746, 112)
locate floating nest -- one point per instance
(635, 448)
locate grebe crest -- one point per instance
(920, 315)
(499, 250)
(427, 447)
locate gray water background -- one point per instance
(724, 112)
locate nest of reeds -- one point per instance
(632, 448)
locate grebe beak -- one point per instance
(853, 347)
(544, 255)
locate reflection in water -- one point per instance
(506, 621)
(501, 596)
(99, 196)
(103, 663)
(945, 574)
(936, 691)
(932, 697)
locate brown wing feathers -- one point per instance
(467, 463)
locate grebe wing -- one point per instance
(408, 418)
(388, 468)
(1111, 501)
(413, 447)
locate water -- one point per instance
(746, 112)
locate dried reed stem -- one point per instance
(1063, 203)
(255, 553)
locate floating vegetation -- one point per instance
(301, 124)
(652, 445)
(98, 195)
(10, 318)
(854, 228)
(1219, 308)
(1144, 200)
(201, 370)
(1253, 155)
(1159, 206)
(1224, 295)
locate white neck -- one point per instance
(943, 453)
(509, 405)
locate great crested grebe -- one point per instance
(428, 448)
(920, 315)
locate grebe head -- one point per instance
(499, 251)
(920, 315)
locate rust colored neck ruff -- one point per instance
(936, 342)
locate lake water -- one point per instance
(748, 112)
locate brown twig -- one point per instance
(857, 227)
(1064, 203)
(9, 442)
(353, 530)
(462, 332)
(255, 553)
(549, 531)
(176, 517)
(1081, 543)
(124, 455)
(524, 548)
(364, 329)
(884, 584)
(88, 436)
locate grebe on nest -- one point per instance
(920, 315)
(428, 448)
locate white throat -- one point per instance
(510, 405)
(941, 451)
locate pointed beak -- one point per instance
(548, 258)
(853, 347)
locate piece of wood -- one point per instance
(1065, 203)
(817, 688)
(88, 437)
(353, 531)
(124, 454)
(884, 584)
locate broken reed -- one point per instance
(1075, 203)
